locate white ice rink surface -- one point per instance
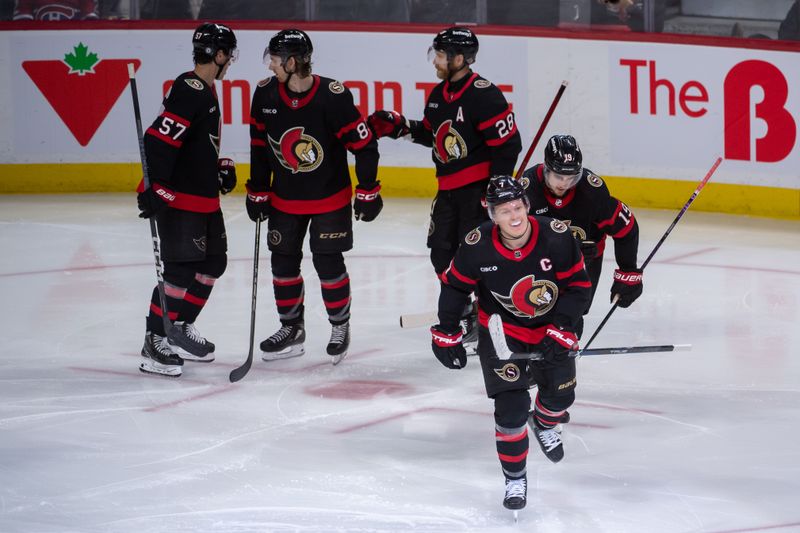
(700, 441)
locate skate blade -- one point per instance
(516, 517)
(287, 353)
(152, 367)
(336, 359)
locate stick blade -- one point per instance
(238, 373)
(418, 320)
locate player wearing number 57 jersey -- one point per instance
(301, 128)
(563, 189)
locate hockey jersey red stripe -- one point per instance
(610, 220)
(458, 275)
(356, 146)
(311, 207)
(521, 333)
(584, 284)
(502, 140)
(477, 172)
(297, 103)
(257, 142)
(353, 125)
(491, 122)
(520, 253)
(452, 97)
(571, 272)
(190, 202)
(260, 126)
(625, 230)
(166, 138)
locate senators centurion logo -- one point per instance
(448, 143)
(577, 232)
(297, 151)
(529, 298)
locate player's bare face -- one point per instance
(440, 64)
(560, 184)
(277, 69)
(512, 219)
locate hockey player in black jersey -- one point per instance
(563, 189)
(530, 271)
(301, 128)
(187, 176)
(473, 135)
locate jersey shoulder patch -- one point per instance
(265, 81)
(594, 180)
(473, 237)
(194, 84)
(558, 226)
(481, 83)
(525, 182)
(336, 87)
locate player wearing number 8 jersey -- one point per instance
(301, 128)
(471, 130)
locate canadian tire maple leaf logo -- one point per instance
(81, 88)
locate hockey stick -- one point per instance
(416, 320)
(239, 373)
(658, 245)
(504, 352)
(162, 296)
(542, 126)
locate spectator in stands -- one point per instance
(55, 10)
(790, 27)
(165, 9)
(630, 12)
(253, 9)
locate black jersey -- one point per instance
(471, 130)
(541, 283)
(182, 145)
(299, 144)
(590, 212)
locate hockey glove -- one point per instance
(589, 250)
(226, 172)
(557, 343)
(627, 286)
(368, 202)
(447, 347)
(154, 199)
(257, 203)
(388, 124)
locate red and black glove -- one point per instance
(368, 203)
(226, 172)
(257, 203)
(557, 343)
(627, 286)
(388, 124)
(154, 199)
(447, 347)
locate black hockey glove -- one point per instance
(368, 203)
(447, 347)
(627, 286)
(226, 172)
(257, 203)
(557, 343)
(388, 124)
(154, 199)
(589, 250)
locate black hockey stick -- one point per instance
(503, 351)
(162, 296)
(658, 245)
(542, 126)
(239, 373)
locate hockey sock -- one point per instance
(511, 432)
(200, 288)
(287, 283)
(335, 284)
(546, 417)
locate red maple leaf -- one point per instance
(81, 97)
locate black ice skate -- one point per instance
(549, 441)
(469, 329)
(191, 346)
(160, 359)
(516, 494)
(340, 341)
(285, 343)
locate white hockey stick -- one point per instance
(417, 320)
(505, 353)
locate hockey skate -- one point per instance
(159, 356)
(189, 344)
(549, 440)
(340, 341)
(516, 494)
(469, 329)
(285, 343)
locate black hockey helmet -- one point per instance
(503, 189)
(457, 40)
(290, 43)
(562, 155)
(209, 37)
